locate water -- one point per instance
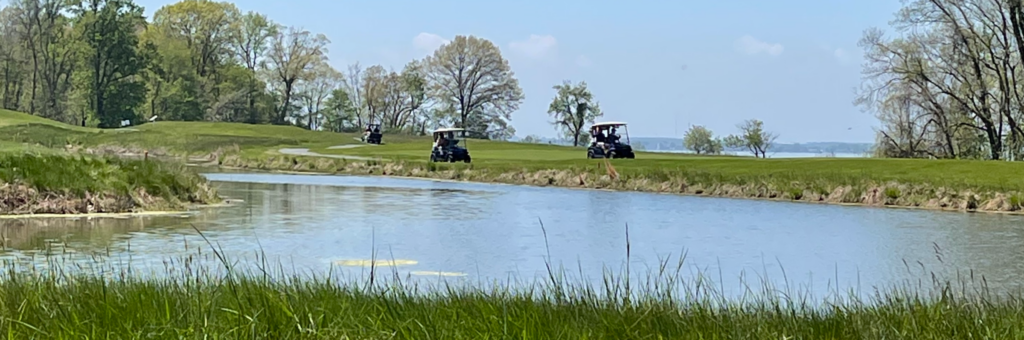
(483, 232)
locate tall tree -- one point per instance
(315, 91)
(12, 63)
(250, 39)
(292, 55)
(112, 57)
(573, 107)
(470, 74)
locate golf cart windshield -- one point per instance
(446, 138)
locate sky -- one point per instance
(661, 66)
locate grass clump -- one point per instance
(62, 183)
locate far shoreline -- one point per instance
(779, 198)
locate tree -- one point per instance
(12, 63)
(469, 75)
(339, 111)
(701, 140)
(250, 39)
(293, 54)
(314, 92)
(753, 137)
(113, 59)
(532, 139)
(573, 107)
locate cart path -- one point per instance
(306, 152)
(348, 146)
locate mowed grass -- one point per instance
(189, 302)
(259, 142)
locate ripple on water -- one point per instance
(377, 263)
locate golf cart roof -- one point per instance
(602, 124)
(448, 130)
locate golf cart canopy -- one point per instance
(441, 130)
(604, 124)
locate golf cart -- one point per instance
(372, 134)
(605, 141)
(446, 146)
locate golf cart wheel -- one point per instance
(467, 160)
(612, 155)
(450, 158)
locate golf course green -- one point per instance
(933, 184)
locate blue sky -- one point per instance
(792, 63)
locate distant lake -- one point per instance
(777, 154)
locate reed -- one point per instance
(65, 301)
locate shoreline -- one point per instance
(872, 197)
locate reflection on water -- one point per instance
(485, 232)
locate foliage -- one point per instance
(753, 137)
(701, 140)
(475, 86)
(946, 84)
(98, 63)
(572, 108)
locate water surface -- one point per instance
(486, 232)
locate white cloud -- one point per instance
(749, 45)
(583, 61)
(536, 47)
(428, 42)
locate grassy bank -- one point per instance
(58, 183)
(933, 184)
(56, 305)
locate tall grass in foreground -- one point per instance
(193, 302)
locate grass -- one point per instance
(190, 301)
(61, 183)
(952, 184)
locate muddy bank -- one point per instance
(598, 177)
(17, 199)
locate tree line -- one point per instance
(947, 84)
(102, 62)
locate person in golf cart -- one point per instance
(441, 142)
(613, 136)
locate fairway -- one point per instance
(903, 182)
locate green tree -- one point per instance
(471, 76)
(572, 108)
(250, 39)
(701, 140)
(339, 111)
(291, 57)
(112, 59)
(753, 137)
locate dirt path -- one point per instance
(306, 152)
